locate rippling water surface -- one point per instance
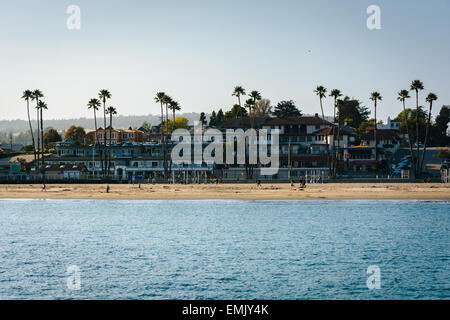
(224, 249)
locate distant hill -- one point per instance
(17, 126)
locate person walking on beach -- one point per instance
(44, 187)
(107, 188)
(302, 182)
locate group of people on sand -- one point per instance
(302, 182)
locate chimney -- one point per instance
(316, 115)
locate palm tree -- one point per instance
(174, 106)
(42, 105)
(417, 85)
(27, 95)
(336, 93)
(430, 98)
(256, 96)
(402, 96)
(376, 96)
(238, 92)
(249, 103)
(167, 101)
(94, 104)
(111, 111)
(160, 98)
(37, 94)
(104, 95)
(321, 93)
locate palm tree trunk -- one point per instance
(95, 143)
(339, 141)
(240, 109)
(334, 161)
(110, 140)
(167, 118)
(163, 142)
(416, 174)
(38, 138)
(326, 139)
(42, 136)
(173, 123)
(31, 130)
(104, 136)
(375, 137)
(409, 138)
(167, 139)
(426, 139)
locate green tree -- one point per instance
(202, 119)
(213, 119)
(440, 128)
(179, 123)
(167, 101)
(220, 117)
(174, 106)
(286, 109)
(238, 92)
(235, 112)
(351, 111)
(255, 96)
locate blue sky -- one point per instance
(198, 50)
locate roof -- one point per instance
(266, 121)
(385, 134)
(331, 130)
(297, 121)
(246, 122)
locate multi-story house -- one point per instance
(118, 135)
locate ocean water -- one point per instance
(223, 249)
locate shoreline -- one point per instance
(268, 191)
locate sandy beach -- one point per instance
(232, 191)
